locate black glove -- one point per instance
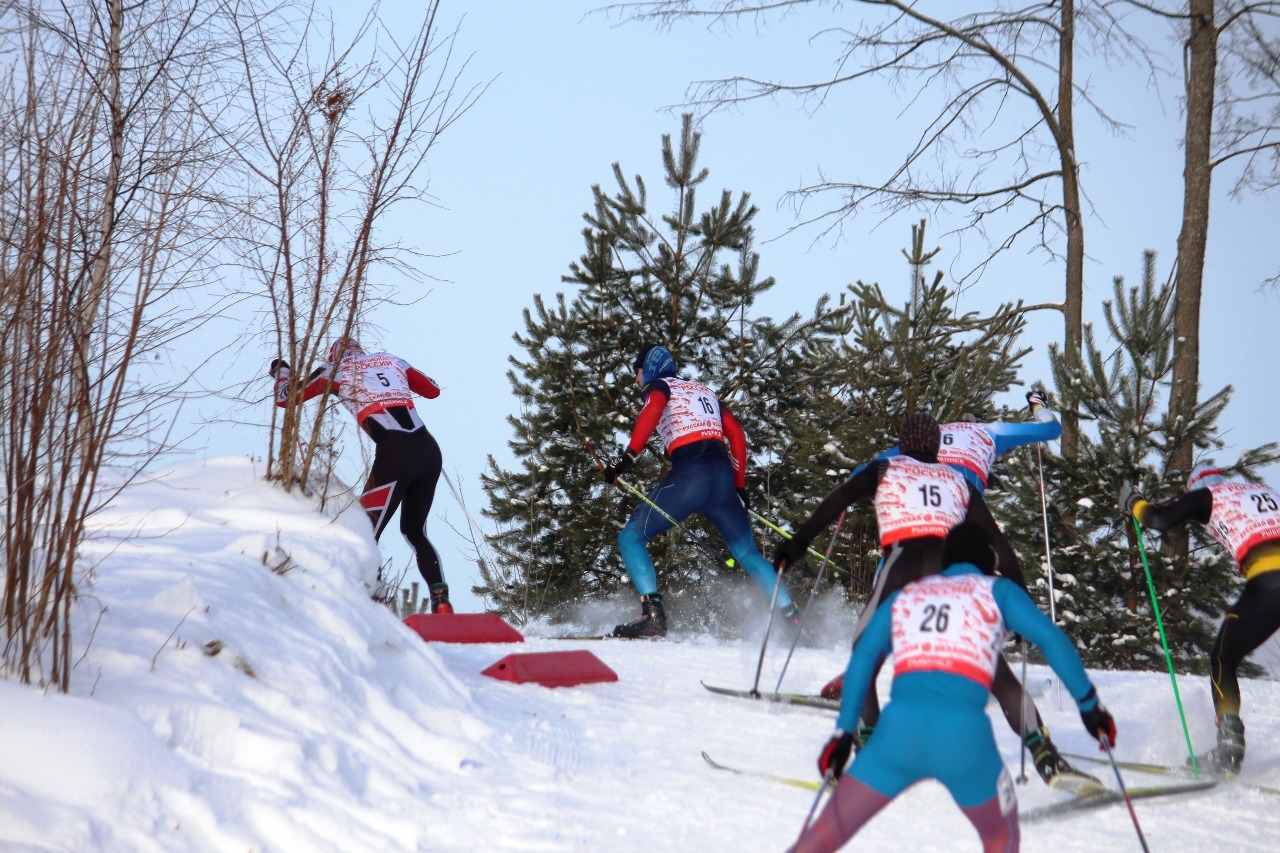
(619, 465)
(276, 364)
(835, 755)
(1036, 398)
(788, 552)
(1100, 724)
(1129, 497)
(744, 497)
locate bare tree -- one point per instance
(998, 92)
(1231, 102)
(103, 158)
(334, 143)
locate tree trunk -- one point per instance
(101, 268)
(1202, 62)
(1073, 304)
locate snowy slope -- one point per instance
(222, 706)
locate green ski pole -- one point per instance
(1164, 642)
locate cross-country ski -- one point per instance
(802, 699)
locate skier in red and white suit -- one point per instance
(377, 388)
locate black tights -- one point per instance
(1251, 620)
(406, 468)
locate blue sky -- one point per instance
(573, 92)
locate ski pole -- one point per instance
(764, 644)
(760, 518)
(826, 783)
(1164, 643)
(1124, 791)
(813, 594)
(1022, 721)
(1048, 553)
(689, 534)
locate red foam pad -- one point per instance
(463, 628)
(552, 669)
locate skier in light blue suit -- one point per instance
(945, 633)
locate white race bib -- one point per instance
(919, 499)
(692, 414)
(1244, 515)
(948, 624)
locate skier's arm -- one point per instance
(874, 644)
(1022, 616)
(737, 446)
(1009, 565)
(655, 401)
(317, 383)
(422, 384)
(1010, 435)
(861, 485)
(1195, 505)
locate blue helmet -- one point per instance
(655, 362)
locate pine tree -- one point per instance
(687, 280)
(889, 360)
(1101, 595)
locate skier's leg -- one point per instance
(384, 489)
(997, 828)
(894, 575)
(723, 508)
(672, 496)
(852, 805)
(964, 758)
(418, 498)
(1022, 716)
(1248, 624)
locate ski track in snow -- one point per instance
(224, 707)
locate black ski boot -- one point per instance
(652, 623)
(1055, 770)
(440, 598)
(1224, 759)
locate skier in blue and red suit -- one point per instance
(971, 449)
(705, 477)
(944, 632)
(378, 388)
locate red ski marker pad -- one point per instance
(463, 628)
(552, 669)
